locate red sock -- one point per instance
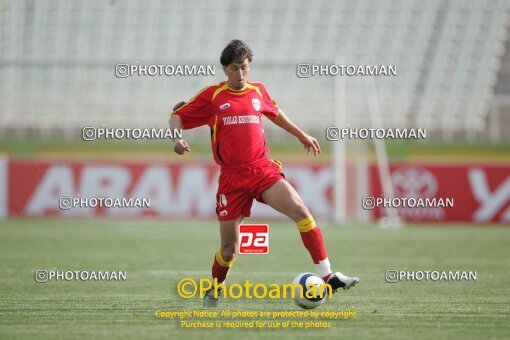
(219, 272)
(220, 267)
(313, 241)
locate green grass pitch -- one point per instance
(156, 254)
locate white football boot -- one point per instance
(339, 280)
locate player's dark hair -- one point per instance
(236, 50)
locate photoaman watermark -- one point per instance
(188, 288)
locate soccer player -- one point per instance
(233, 109)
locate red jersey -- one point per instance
(235, 119)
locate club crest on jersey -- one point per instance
(256, 104)
(224, 106)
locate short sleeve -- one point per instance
(196, 112)
(269, 106)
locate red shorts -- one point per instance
(238, 186)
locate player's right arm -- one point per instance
(180, 145)
(194, 113)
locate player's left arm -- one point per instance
(309, 142)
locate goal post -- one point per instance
(391, 220)
(340, 159)
(340, 153)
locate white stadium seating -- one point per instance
(57, 59)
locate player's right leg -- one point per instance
(283, 197)
(224, 257)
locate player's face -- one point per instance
(237, 74)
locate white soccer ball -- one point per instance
(313, 291)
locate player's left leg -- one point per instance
(282, 197)
(224, 258)
(227, 254)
